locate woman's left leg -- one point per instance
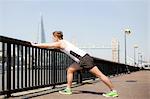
(101, 76)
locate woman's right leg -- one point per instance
(71, 69)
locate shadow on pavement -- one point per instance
(87, 92)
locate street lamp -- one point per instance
(127, 32)
(135, 47)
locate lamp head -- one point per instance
(127, 31)
(135, 46)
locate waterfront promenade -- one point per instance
(130, 86)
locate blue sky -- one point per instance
(85, 21)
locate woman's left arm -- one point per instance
(48, 45)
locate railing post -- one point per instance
(53, 79)
(79, 77)
(3, 62)
(8, 69)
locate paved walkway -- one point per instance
(130, 86)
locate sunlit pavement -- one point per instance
(135, 85)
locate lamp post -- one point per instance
(135, 47)
(127, 32)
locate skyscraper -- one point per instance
(43, 40)
(41, 34)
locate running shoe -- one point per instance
(111, 94)
(66, 91)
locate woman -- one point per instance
(82, 61)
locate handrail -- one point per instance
(23, 67)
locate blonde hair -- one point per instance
(58, 34)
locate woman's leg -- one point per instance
(71, 69)
(100, 75)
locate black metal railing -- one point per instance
(24, 67)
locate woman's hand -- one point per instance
(33, 43)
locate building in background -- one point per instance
(115, 50)
(41, 34)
